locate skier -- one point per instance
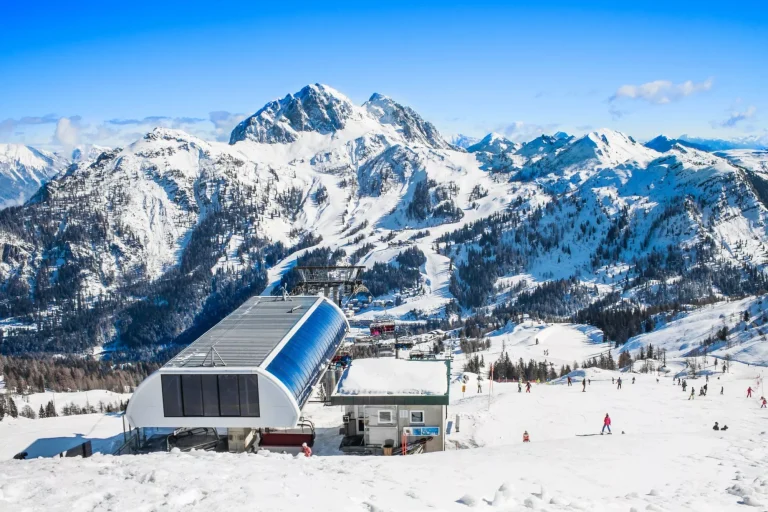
(685, 385)
(479, 385)
(633, 380)
(528, 387)
(606, 424)
(749, 392)
(707, 378)
(705, 388)
(589, 381)
(722, 389)
(569, 381)
(526, 437)
(693, 393)
(583, 385)
(702, 392)
(618, 382)
(764, 402)
(612, 380)
(519, 387)
(716, 427)
(306, 449)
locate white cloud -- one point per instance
(224, 122)
(736, 117)
(520, 131)
(67, 132)
(660, 92)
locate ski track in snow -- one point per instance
(668, 457)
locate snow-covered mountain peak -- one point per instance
(315, 108)
(494, 143)
(609, 147)
(23, 170)
(406, 121)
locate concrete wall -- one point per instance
(376, 433)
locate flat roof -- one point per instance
(247, 336)
(386, 376)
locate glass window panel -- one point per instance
(171, 385)
(192, 395)
(210, 395)
(229, 396)
(249, 395)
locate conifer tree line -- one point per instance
(30, 375)
(9, 407)
(506, 369)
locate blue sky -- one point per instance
(102, 73)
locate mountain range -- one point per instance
(136, 249)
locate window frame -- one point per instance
(419, 411)
(391, 420)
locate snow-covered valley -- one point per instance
(662, 455)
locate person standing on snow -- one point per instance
(519, 387)
(722, 389)
(479, 385)
(763, 406)
(633, 380)
(749, 392)
(613, 380)
(306, 449)
(569, 381)
(528, 387)
(583, 385)
(618, 382)
(693, 393)
(606, 424)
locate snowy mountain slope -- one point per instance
(663, 144)
(164, 236)
(23, 170)
(123, 230)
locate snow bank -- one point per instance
(394, 377)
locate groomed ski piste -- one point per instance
(663, 454)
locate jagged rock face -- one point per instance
(316, 108)
(413, 128)
(140, 244)
(394, 166)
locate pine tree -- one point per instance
(2, 407)
(12, 411)
(41, 412)
(650, 351)
(50, 410)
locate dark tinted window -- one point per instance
(171, 385)
(229, 397)
(210, 395)
(249, 395)
(192, 395)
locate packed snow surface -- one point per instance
(388, 376)
(663, 453)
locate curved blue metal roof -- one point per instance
(299, 362)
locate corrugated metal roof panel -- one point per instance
(247, 335)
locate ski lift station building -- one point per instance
(254, 369)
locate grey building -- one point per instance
(391, 403)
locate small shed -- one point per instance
(393, 402)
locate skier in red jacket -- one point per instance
(764, 402)
(606, 424)
(306, 449)
(749, 392)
